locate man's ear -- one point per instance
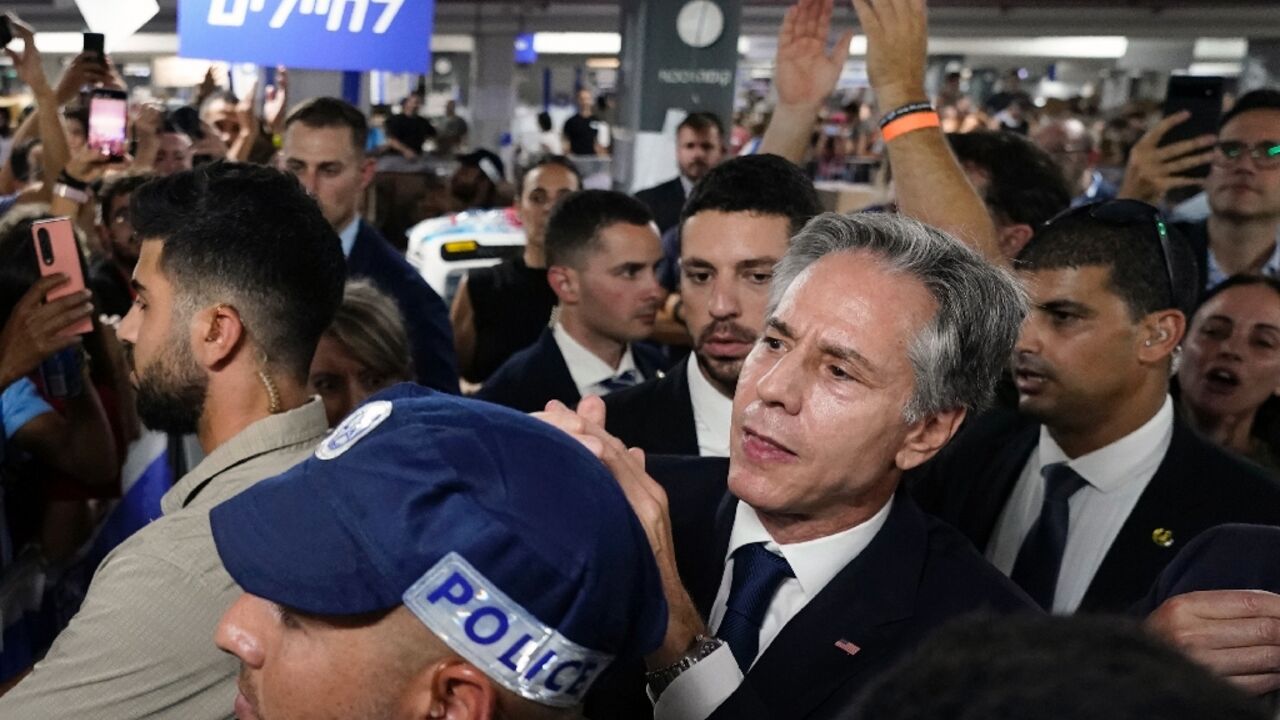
(1013, 238)
(216, 334)
(1161, 333)
(450, 689)
(564, 283)
(928, 436)
(368, 168)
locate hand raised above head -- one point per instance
(805, 71)
(897, 46)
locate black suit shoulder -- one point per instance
(649, 359)
(987, 454)
(916, 575)
(665, 201)
(425, 315)
(1196, 486)
(656, 415)
(531, 378)
(1199, 487)
(1226, 557)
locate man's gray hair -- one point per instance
(957, 358)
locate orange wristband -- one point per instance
(910, 123)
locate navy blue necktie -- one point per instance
(621, 381)
(1040, 558)
(757, 573)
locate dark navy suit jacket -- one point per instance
(425, 316)
(538, 374)
(665, 201)
(916, 574)
(1196, 487)
(656, 416)
(1227, 557)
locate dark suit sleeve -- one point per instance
(432, 338)
(1227, 557)
(665, 201)
(425, 315)
(502, 388)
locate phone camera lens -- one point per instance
(46, 247)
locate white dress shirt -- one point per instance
(348, 236)
(585, 367)
(1115, 475)
(712, 413)
(702, 688)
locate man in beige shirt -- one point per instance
(238, 276)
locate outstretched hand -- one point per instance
(1234, 633)
(897, 47)
(805, 71)
(649, 502)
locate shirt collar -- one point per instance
(712, 411)
(814, 562)
(585, 367)
(1131, 457)
(687, 184)
(348, 235)
(266, 435)
(1217, 275)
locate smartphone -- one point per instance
(96, 44)
(108, 122)
(1202, 97)
(6, 31)
(57, 252)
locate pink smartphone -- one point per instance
(57, 252)
(109, 122)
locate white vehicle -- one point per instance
(443, 249)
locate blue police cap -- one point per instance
(509, 540)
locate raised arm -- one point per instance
(804, 75)
(931, 186)
(52, 135)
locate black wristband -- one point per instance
(71, 182)
(905, 110)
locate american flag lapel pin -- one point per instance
(847, 646)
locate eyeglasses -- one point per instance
(1134, 212)
(1265, 154)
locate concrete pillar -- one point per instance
(493, 97)
(671, 65)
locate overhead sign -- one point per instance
(390, 35)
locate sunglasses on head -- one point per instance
(1133, 212)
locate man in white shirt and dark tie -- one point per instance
(602, 255)
(1088, 493)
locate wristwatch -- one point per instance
(660, 680)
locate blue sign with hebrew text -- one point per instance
(392, 35)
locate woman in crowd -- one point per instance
(365, 350)
(1230, 375)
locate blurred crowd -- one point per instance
(313, 413)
